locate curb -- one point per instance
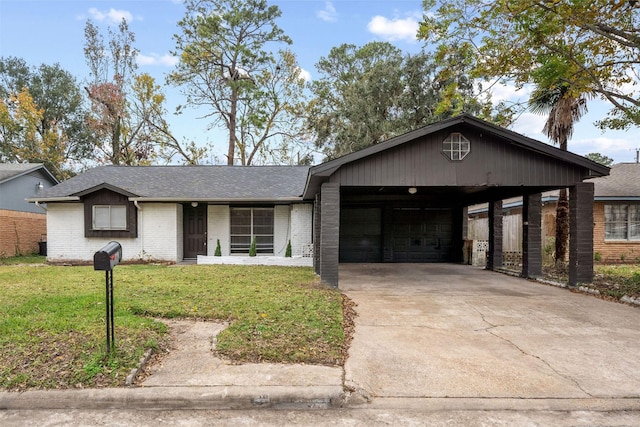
(171, 398)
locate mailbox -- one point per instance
(108, 257)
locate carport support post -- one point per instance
(494, 254)
(532, 235)
(329, 233)
(581, 234)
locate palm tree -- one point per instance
(564, 109)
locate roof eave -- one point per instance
(52, 199)
(216, 200)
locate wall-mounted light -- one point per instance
(39, 186)
(413, 190)
(194, 204)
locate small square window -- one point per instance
(109, 217)
(456, 146)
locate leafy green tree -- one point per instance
(600, 158)
(225, 66)
(369, 94)
(61, 138)
(593, 45)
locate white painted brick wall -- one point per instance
(281, 229)
(218, 227)
(65, 235)
(158, 225)
(159, 235)
(301, 227)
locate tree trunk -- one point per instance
(232, 127)
(116, 155)
(562, 228)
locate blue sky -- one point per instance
(52, 31)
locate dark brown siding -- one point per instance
(491, 162)
(106, 197)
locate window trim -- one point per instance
(456, 146)
(110, 227)
(108, 197)
(626, 223)
(270, 249)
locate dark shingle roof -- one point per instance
(623, 182)
(13, 170)
(189, 182)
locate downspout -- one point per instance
(40, 206)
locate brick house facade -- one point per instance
(21, 232)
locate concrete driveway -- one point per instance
(444, 330)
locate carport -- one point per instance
(405, 200)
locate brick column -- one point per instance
(532, 235)
(494, 254)
(329, 233)
(581, 234)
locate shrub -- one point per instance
(218, 251)
(288, 251)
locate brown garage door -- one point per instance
(422, 235)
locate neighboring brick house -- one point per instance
(616, 215)
(23, 225)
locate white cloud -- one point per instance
(155, 59)
(329, 13)
(530, 125)
(113, 16)
(509, 93)
(395, 29)
(305, 75)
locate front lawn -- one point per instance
(52, 329)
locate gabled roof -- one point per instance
(622, 183)
(186, 183)
(319, 173)
(10, 171)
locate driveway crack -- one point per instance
(490, 330)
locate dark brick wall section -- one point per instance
(532, 235)
(494, 259)
(581, 234)
(316, 235)
(330, 233)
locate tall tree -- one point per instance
(62, 117)
(597, 43)
(111, 68)
(128, 108)
(368, 94)
(564, 109)
(225, 66)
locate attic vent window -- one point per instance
(456, 146)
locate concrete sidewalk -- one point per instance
(191, 377)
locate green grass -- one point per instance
(52, 329)
(24, 259)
